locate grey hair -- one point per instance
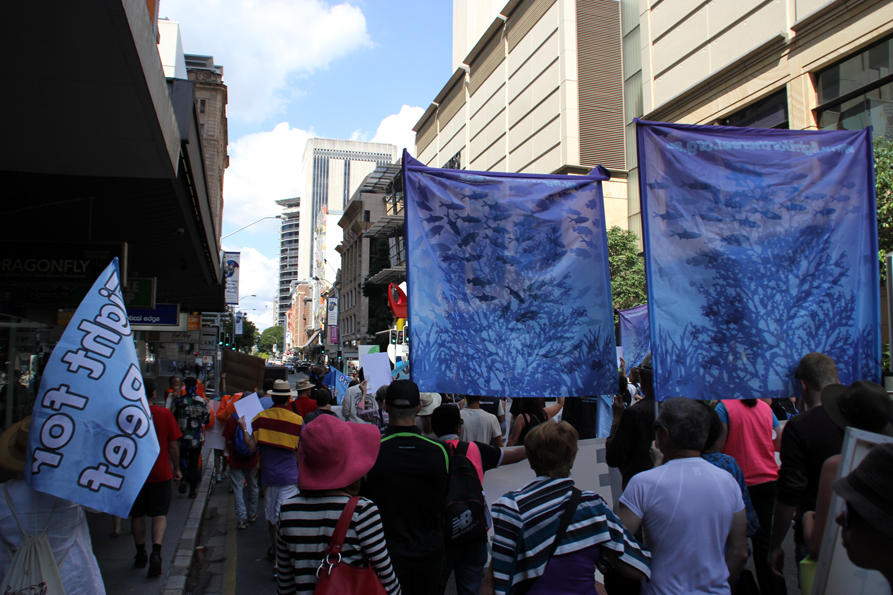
(817, 370)
(687, 422)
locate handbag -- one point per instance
(566, 517)
(335, 578)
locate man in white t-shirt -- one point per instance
(692, 512)
(478, 425)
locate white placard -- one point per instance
(376, 370)
(214, 436)
(248, 407)
(363, 349)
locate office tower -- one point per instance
(289, 235)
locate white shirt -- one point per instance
(68, 534)
(353, 401)
(686, 506)
(479, 426)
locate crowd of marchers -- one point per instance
(389, 497)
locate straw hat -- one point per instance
(281, 388)
(14, 445)
(430, 402)
(333, 454)
(303, 384)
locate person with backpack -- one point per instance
(192, 413)
(465, 514)
(58, 528)
(243, 470)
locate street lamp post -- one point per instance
(282, 217)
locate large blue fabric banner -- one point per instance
(92, 439)
(509, 286)
(761, 246)
(635, 335)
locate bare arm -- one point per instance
(629, 519)
(552, 410)
(173, 451)
(736, 546)
(249, 439)
(516, 430)
(497, 441)
(776, 442)
(487, 587)
(513, 455)
(814, 522)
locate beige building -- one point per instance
(541, 91)
(210, 93)
(800, 64)
(367, 207)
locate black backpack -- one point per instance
(464, 509)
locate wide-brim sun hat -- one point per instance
(281, 388)
(869, 488)
(14, 445)
(862, 405)
(430, 402)
(304, 384)
(333, 454)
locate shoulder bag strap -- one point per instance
(340, 533)
(566, 517)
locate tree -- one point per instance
(627, 269)
(883, 172)
(274, 335)
(244, 342)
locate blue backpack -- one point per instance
(242, 449)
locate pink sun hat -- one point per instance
(333, 454)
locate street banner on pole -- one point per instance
(761, 246)
(332, 308)
(239, 316)
(92, 439)
(508, 283)
(635, 335)
(231, 271)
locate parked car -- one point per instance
(290, 367)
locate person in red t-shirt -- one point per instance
(242, 470)
(154, 499)
(303, 404)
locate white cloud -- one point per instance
(397, 128)
(263, 167)
(258, 276)
(264, 44)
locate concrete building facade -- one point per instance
(367, 206)
(799, 64)
(541, 91)
(289, 238)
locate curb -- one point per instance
(175, 583)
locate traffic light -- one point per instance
(220, 342)
(393, 337)
(406, 333)
(322, 349)
(226, 341)
(340, 357)
(399, 337)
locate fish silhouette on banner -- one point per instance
(509, 285)
(761, 246)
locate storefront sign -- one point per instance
(231, 270)
(160, 315)
(140, 293)
(179, 336)
(28, 263)
(193, 322)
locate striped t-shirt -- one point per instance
(525, 523)
(305, 529)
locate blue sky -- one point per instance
(298, 69)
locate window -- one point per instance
(366, 215)
(201, 106)
(857, 92)
(201, 128)
(770, 112)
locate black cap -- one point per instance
(403, 393)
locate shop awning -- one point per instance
(386, 226)
(394, 275)
(310, 340)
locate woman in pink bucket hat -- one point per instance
(333, 457)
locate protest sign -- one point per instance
(376, 370)
(214, 436)
(401, 371)
(342, 381)
(248, 407)
(92, 439)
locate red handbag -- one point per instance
(335, 578)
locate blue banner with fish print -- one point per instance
(508, 283)
(92, 439)
(761, 246)
(635, 335)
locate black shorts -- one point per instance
(153, 500)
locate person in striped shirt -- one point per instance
(526, 521)
(332, 459)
